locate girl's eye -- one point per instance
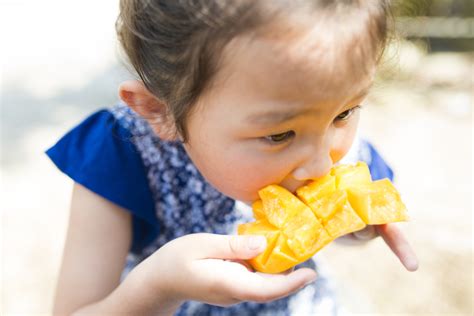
(344, 116)
(279, 138)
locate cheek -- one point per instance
(343, 140)
(250, 174)
(238, 173)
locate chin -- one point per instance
(245, 197)
(248, 203)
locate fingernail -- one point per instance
(361, 235)
(310, 281)
(366, 233)
(256, 242)
(411, 264)
(299, 174)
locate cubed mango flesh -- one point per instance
(297, 226)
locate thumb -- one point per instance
(205, 246)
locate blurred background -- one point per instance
(59, 62)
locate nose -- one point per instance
(318, 164)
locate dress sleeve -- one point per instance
(99, 154)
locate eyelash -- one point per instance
(344, 116)
(288, 135)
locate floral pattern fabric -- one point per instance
(186, 203)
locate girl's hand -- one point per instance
(209, 268)
(394, 238)
(397, 242)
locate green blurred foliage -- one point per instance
(438, 8)
(441, 9)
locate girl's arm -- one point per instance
(97, 243)
(200, 267)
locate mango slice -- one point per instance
(341, 202)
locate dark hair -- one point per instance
(175, 45)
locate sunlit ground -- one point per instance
(59, 64)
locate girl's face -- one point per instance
(281, 111)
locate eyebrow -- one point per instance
(276, 117)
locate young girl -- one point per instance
(233, 96)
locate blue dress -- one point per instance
(115, 154)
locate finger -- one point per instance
(262, 287)
(395, 239)
(286, 272)
(242, 262)
(365, 234)
(205, 246)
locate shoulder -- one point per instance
(99, 154)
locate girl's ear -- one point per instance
(142, 101)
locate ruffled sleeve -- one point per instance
(363, 150)
(99, 154)
(379, 169)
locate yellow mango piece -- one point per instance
(264, 228)
(280, 205)
(257, 208)
(305, 235)
(313, 193)
(351, 176)
(300, 234)
(333, 210)
(341, 202)
(280, 259)
(378, 203)
(342, 219)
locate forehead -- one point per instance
(297, 61)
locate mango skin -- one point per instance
(297, 226)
